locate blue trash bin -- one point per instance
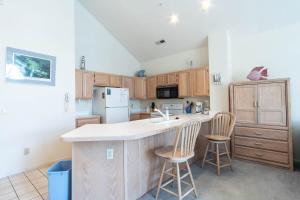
(59, 180)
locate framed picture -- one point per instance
(30, 67)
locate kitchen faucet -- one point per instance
(165, 116)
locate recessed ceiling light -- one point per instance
(205, 4)
(174, 19)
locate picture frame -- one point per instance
(30, 67)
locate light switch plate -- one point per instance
(109, 154)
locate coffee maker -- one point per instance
(199, 107)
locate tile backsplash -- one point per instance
(84, 107)
(159, 102)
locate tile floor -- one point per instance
(30, 185)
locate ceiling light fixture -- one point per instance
(174, 19)
(205, 4)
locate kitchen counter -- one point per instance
(117, 161)
(128, 130)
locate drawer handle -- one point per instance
(257, 133)
(258, 154)
(258, 144)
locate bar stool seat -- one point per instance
(217, 138)
(168, 153)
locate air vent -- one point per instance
(160, 42)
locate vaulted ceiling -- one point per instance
(138, 24)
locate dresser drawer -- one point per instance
(261, 143)
(262, 154)
(261, 133)
(83, 121)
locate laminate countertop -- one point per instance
(132, 130)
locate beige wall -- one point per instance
(176, 62)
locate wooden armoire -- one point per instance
(263, 126)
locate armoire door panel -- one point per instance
(245, 97)
(272, 104)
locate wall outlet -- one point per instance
(109, 154)
(26, 151)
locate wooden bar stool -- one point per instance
(181, 152)
(222, 128)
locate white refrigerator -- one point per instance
(112, 104)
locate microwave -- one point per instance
(167, 92)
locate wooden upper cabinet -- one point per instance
(78, 84)
(173, 78)
(151, 87)
(102, 79)
(200, 79)
(244, 103)
(140, 90)
(162, 79)
(84, 82)
(87, 85)
(184, 84)
(115, 81)
(271, 104)
(128, 82)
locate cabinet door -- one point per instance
(244, 105)
(200, 82)
(87, 85)
(184, 84)
(135, 116)
(162, 79)
(173, 78)
(102, 79)
(78, 84)
(115, 81)
(140, 88)
(128, 82)
(151, 87)
(272, 104)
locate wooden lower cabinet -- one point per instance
(276, 158)
(139, 116)
(88, 120)
(266, 145)
(263, 126)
